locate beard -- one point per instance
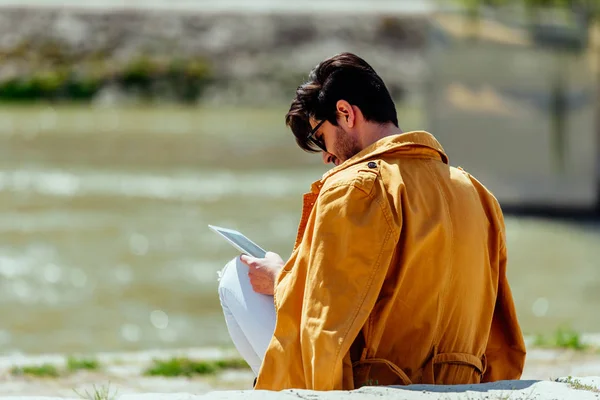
(346, 146)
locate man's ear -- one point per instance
(346, 113)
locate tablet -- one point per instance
(240, 242)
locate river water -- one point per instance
(104, 244)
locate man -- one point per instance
(398, 273)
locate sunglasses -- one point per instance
(320, 143)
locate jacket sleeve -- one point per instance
(505, 353)
(353, 240)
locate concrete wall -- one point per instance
(521, 117)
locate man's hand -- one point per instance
(263, 271)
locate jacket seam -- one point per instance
(345, 183)
(447, 209)
(370, 282)
(360, 305)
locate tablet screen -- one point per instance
(240, 241)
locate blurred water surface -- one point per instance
(104, 243)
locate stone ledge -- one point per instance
(580, 388)
(120, 56)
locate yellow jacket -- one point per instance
(398, 276)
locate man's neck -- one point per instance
(376, 132)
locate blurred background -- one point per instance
(126, 129)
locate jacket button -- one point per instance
(372, 164)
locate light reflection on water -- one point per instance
(207, 186)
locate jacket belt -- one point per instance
(428, 370)
(479, 364)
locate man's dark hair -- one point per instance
(342, 77)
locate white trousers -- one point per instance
(250, 316)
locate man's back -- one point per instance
(434, 314)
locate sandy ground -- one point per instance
(122, 373)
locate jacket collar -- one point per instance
(416, 142)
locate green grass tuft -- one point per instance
(234, 363)
(186, 367)
(52, 371)
(44, 370)
(564, 338)
(575, 384)
(101, 393)
(76, 364)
